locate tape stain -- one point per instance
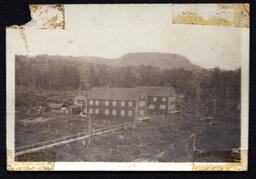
(23, 36)
(232, 166)
(241, 19)
(52, 22)
(27, 166)
(241, 16)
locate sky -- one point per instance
(113, 30)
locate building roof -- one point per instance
(80, 98)
(115, 93)
(158, 91)
(55, 105)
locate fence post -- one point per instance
(134, 117)
(89, 128)
(163, 117)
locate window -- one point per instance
(130, 103)
(171, 99)
(151, 106)
(106, 103)
(155, 99)
(122, 103)
(106, 111)
(122, 112)
(90, 110)
(162, 107)
(141, 112)
(113, 103)
(163, 99)
(97, 111)
(91, 102)
(142, 103)
(97, 102)
(172, 107)
(113, 112)
(130, 113)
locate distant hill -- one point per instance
(161, 60)
(156, 59)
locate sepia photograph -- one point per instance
(128, 84)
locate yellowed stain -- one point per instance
(232, 166)
(192, 18)
(240, 19)
(27, 166)
(242, 15)
(23, 36)
(33, 8)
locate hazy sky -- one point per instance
(113, 30)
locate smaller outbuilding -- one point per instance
(80, 101)
(56, 107)
(79, 104)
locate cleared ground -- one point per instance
(180, 137)
(166, 140)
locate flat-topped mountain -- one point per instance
(156, 59)
(161, 60)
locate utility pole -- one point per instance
(134, 118)
(89, 128)
(80, 89)
(163, 117)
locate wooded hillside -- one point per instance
(64, 73)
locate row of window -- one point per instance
(107, 103)
(163, 99)
(157, 98)
(152, 106)
(130, 103)
(114, 103)
(113, 112)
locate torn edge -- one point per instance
(44, 17)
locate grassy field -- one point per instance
(157, 140)
(168, 140)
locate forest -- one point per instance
(206, 85)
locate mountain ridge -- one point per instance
(157, 59)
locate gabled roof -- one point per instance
(80, 98)
(115, 93)
(158, 91)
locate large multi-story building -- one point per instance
(160, 100)
(121, 102)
